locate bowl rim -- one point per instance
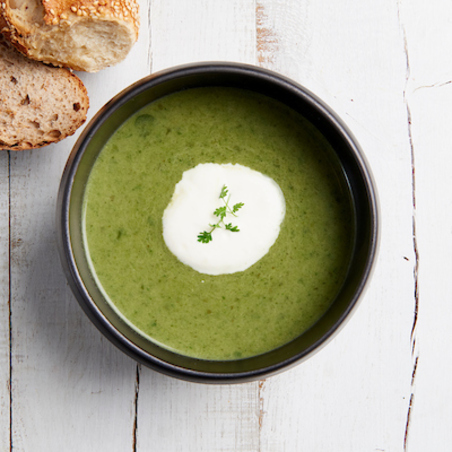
(64, 238)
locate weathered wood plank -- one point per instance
(173, 415)
(66, 379)
(387, 73)
(201, 30)
(354, 394)
(4, 303)
(71, 389)
(431, 408)
(428, 98)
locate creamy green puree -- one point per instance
(227, 316)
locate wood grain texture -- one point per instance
(354, 394)
(208, 418)
(201, 30)
(432, 400)
(74, 378)
(4, 304)
(71, 389)
(428, 97)
(382, 383)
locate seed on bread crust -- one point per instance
(57, 30)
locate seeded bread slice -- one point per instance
(83, 35)
(39, 104)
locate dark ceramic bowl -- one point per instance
(74, 260)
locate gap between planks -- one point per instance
(266, 48)
(135, 403)
(138, 365)
(10, 376)
(414, 352)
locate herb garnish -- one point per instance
(221, 212)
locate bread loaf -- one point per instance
(39, 104)
(84, 35)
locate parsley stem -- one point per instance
(221, 212)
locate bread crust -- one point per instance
(39, 104)
(83, 35)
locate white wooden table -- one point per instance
(383, 384)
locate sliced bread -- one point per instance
(39, 104)
(84, 35)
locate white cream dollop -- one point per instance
(191, 208)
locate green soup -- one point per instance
(227, 316)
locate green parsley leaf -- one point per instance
(231, 228)
(221, 212)
(205, 237)
(224, 192)
(237, 207)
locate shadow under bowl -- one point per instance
(70, 207)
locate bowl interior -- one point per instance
(90, 145)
